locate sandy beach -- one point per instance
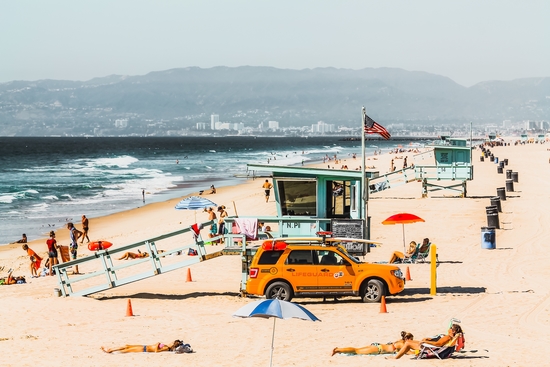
(501, 296)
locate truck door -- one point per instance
(301, 270)
(339, 273)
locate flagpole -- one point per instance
(364, 201)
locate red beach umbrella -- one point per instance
(403, 218)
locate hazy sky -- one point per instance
(468, 41)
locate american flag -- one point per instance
(372, 127)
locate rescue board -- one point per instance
(99, 245)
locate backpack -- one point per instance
(184, 348)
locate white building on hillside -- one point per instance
(214, 120)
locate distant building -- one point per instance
(214, 121)
(201, 125)
(322, 128)
(121, 123)
(274, 125)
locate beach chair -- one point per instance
(420, 255)
(431, 351)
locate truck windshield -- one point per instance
(345, 252)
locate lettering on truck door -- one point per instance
(340, 273)
(301, 269)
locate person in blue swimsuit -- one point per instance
(73, 247)
(136, 348)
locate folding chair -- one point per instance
(431, 351)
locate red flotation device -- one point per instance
(99, 245)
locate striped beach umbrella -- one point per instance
(195, 203)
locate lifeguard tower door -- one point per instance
(340, 199)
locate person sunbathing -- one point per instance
(155, 348)
(133, 255)
(398, 256)
(438, 342)
(377, 348)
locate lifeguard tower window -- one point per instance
(298, 197)
(338, 199)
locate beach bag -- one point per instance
(184, 348)
(192, 252)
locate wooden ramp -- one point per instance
(107, 275)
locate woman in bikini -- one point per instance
(133, 255)
(155, 348)
(377, 348)
(438, 342)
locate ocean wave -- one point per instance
(7, 198)
(50, 197)
(122, 161)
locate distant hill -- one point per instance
(182, 97)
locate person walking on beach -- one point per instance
(35, 260)
(85, 228)
(73, 247)
(143, 195)
(267, 188)
(52, 251)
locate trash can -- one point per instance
(57, 292)
(496, 160)
(492, 158)
(488, 238)
(495, 201)
(501, 192)
(501, 164)
(492, 216)
(510, 185)
(481, 159)
(515, 177)
(505, 161)
(499, 169)
(508, 174)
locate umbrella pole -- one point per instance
(404, 252)
(272, 341)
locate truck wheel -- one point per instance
(279, 290)
(372, 291)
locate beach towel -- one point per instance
(248, 227)
(64, 251)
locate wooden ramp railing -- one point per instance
(109, 275)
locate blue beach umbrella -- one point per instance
(276, 309)
(195, 203)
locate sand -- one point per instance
(501, 296)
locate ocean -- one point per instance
(49, 181)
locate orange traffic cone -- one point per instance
(189, 279)
(383, 305)
(129, 311)
(408, 275)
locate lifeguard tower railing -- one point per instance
(108, 275)
(112, 275)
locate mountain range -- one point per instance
(178, 98)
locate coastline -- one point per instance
(501, 296)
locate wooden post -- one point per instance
(433, 264)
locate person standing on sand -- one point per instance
(267, 188)
(52, 251)
(35, 261)
(75, 235)
(214, 228)
(85, 228)
(221, 221)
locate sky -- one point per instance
(469, 41)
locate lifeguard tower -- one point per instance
(446, 166)
(311, 200)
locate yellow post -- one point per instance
(433, 263)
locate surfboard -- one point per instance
(99, 245)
